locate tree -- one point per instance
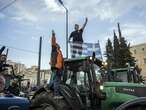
(116, 51)
(131, 59)
(118, 54)
(109, 53)
(125, 56)
(124, 52)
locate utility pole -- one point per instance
(39, 62)
(66, 32)
(61, 2)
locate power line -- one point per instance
(19, 49)
(8, 5)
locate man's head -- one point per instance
(76, 27)
(53, 33)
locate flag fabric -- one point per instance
(85, 49)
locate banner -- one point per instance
(85, 49)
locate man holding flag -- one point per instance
(57, 64)
(77, 39)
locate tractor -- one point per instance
(124, 87)
(7, 100)
(78, 87)
(83, 88)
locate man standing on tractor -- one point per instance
(77, 39)
(56, 63)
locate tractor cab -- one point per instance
(124, 75)
(80, 77)
(77, 70)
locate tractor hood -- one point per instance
(123, 84)
(134, 89)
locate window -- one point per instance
(78, 78)
(82, 78)
(145, 61)
(120, 76)
(97, 72)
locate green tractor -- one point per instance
(83, 88)
(124, 87)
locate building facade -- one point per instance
(139, 52)
(19, 68)
(31, 74)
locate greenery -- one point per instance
(118, 53)
(109, 50)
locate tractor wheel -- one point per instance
(140, 107)
(45, 101)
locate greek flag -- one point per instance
(85, 49)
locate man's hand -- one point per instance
(86, 20)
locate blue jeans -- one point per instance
(55, 81)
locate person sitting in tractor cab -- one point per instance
(56, 63)
(14, 88)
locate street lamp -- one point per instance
(60, 1)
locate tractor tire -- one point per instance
(136, 108)
(46, 101)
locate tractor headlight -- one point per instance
(101, 87)
(90, 58)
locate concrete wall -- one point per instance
(139, 52)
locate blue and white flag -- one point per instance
(85, 49)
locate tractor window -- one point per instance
(121, 76)
(70, 77)
(118, 76)
(77, 78)
(98, 73)
(82, 78)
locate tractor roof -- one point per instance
(121, 69)
(82, 59)
(76, 59)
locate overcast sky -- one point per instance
(25, 21)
